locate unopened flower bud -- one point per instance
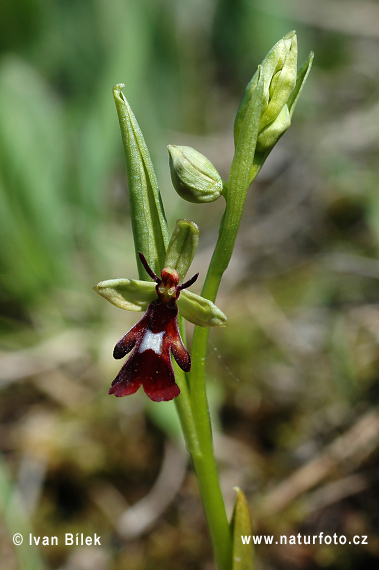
(282, 87)
(194, 177)
(279, 75)
(270, 134)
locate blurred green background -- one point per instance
(293, 378)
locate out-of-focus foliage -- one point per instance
(293, 378)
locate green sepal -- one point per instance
(200, 311)
(240, 525)
(134, 295)
(182, 247)
(127, 294)
(146, 209)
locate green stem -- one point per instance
(205, 463)
(183, 404)
(184, 411)
(195, 425)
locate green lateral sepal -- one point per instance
(200, 311)
(127, 294)
(135, 295)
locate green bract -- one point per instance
(301, 78)
(134, 295)
(146, 209)
(193, 176)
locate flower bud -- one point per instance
(193, 176)
(270, 134)
(279, 70)
(282, 87)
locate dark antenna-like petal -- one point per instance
(188, 283)
(148, 269)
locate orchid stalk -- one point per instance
(263, 117)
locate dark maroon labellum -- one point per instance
(152, 339)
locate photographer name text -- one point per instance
(78, 539)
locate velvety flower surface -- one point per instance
(152, 340)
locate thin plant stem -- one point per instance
(205, 463)
(202, 454)
(183, 404)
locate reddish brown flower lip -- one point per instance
(153, 339)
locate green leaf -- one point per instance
(146, 209)
(243, 554)
(127, 294)
(182, 247)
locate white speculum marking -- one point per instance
(152, 341)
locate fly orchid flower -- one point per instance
(156, 335)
